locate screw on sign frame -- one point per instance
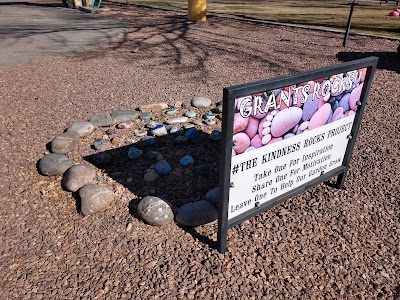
(235, 92)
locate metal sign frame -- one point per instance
(231, 93)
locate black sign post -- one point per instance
(294, 144)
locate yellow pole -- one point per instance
(197, 10)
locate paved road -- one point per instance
(31, 32)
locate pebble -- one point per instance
(155, 211)
(177, 120)
(174, 129)
(100, 144)
(129, 227)
(140, 132)
(124, 115)
(196, 151)
(200, 102)
(77, 176)
(101, 120)
(195, 214)
(124, 125)
(216, 135)
(54, 164)
(159, 130)
(153, 107)
(203, 169)
(171, 111)
(210, 122)
(64, 142)
(186, 161)
(95, 198)
(115, 141)
(148, 140)
(191, 133)
(285, 120)
(219, 109)
(213, 196)
(84, 128)
(162, 167)
(180, 140)
(190, 114)
(134, 153)
(102, 158)
(145, 116)
(209, 116)
(150, 175)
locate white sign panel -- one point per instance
(262, 174)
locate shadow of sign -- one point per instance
(387, 60)
(183, 185)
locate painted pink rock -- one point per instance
(243, 142)
(350, 112)
(266, 130)
(266, 139)
(252, 127)
(303, 126)
(274, 140)
(239, 123)
(320, 117)
(337, 112)
(251, 148)
(355, 96)
(285, 120)
(256, 141)
(321, 101)
(261, 125)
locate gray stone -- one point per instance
(219, 108)
(155, 211)
(124, 115)
(201, 102)
(54, 164)
(159, 130)
(196, 214)
(77, 176)
(84, 128)
(64, 142)
(95, 198)
(177, 120)
(213, 196)
(153, 107)
(150, 175)
(101, 120)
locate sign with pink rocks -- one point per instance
(285, 135)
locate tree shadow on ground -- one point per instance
(387, 60)
(181, 186)
(33, 4)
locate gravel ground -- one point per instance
(322, 244)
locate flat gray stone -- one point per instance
(101, 120)
(84, 128)
(200, 102)
(77, 176)
(64, 142)
(177, 120)
(155, 211)
(153, 107)
(124, 115)
(213, 196)
(54, 164)
(196, 214)
(95, 198)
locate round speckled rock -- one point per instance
(213, 196)
(64, 142)
(101, 120)
(155, 211)
(54, 164)
(196, 214)
(186, 161)
(162, 167)
(134, 153)
(200, 102)
(95, 198)
(84, 128)
(77, 176)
